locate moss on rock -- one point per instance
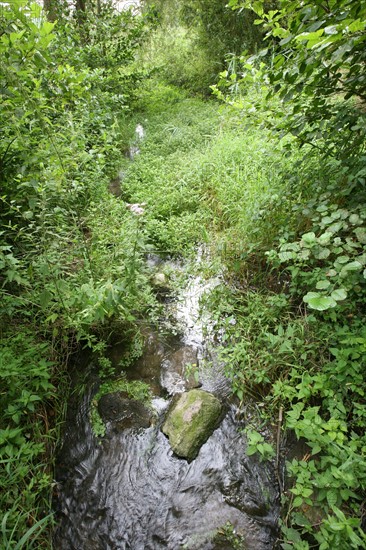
(191, 421)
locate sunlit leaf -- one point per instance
(318, 301)
(339, 294)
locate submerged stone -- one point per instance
(175, 375)
(191, 421)
(161, 283)
(124, 412)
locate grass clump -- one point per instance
(201, 171)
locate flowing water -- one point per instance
(128, 490)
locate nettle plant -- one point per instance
(328, 262)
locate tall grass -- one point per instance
(200, 170)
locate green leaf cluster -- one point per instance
(330, 265)
(26, 393)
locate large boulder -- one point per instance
(190, 422)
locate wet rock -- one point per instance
(147, 367)
(160, 279)
(161, 283)
(243, 498)
(191, 421)
(124, 412)
(175, 375)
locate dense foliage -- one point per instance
(273, 183)
(193, 39)
(316, 66)
(309, 83)
(70, 254)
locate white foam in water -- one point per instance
(159, 404)
(140, 132)
(188, 311)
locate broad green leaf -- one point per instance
(251, 450)
(360, 233)
(342, 259)
(46, 28)
(321, 285)
(286, 256)
(324, 239)
(45, 298)
(301, 519)
(352, 266)
(354, 219)
(335, 227)
(336, 526)
(297, 502)
(310, 36)
(332, 498)
(318, 301)
(322, 253)
(357, 25)
(315, 449)
(305, 254)
(339, 294)
(309, 238)
(307, 492)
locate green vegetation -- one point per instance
(70, 253)
(270, 175)
(193, 38)
(303, 349)
(135, 389)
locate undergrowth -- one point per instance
(294, 341)
(202, 172)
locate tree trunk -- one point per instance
(80, 6)
(50, 7)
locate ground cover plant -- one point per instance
(309, 348)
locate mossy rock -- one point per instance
(190, 422)
(124, 412)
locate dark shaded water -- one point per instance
(129, 491)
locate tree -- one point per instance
(221, 31)
(212, 33)
(315, 62)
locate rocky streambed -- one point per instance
(172, 473)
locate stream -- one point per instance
(128, 490)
